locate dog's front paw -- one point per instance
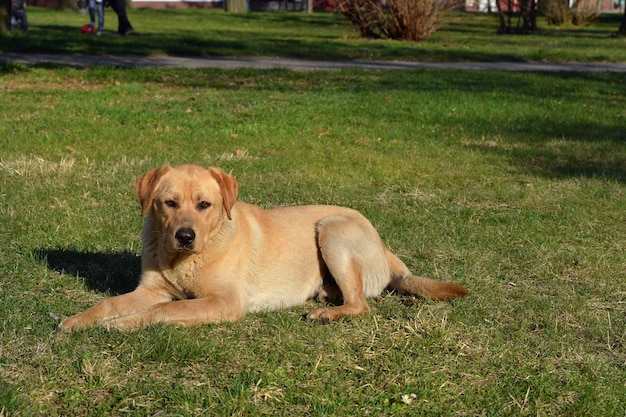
(323, 316)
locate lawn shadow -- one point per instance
(557, 164)
(561, 159)
(556, 149)
(115, 273)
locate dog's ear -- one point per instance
(229, 188)
(146, 186)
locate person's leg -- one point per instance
(92, 12)
(100, 10)
(124, 26)
(24, 21)
(16, 20)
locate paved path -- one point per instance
(294, 64)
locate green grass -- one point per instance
(513, 185)
(462, 37)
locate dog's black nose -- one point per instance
(185, 236)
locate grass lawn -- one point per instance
(513, 185)
(462, 37)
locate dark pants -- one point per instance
(119, 7)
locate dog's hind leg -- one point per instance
(355, 257)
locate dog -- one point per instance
(209, 258)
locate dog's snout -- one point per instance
(185, 236)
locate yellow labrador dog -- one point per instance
(208, 258)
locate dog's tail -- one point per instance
(406, 283)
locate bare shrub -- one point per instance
(559, 12)
(585, 12)
(364, 14)
(413, 20)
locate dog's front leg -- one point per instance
(133, 302)
(182, 313)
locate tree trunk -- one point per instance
(529, 16)
(622, 27)
(236, 6)
(5, 15)
(504, 16)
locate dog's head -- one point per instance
(189, 203)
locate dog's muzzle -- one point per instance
(185, 237)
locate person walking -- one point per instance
(119, 7)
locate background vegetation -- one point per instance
(510, 184)
(461, 37)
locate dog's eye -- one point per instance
(171, 203)
(203, 205)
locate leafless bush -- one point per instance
(582, 12)
(557, 12)
(364, 14)
(413, 20)
(585, 12)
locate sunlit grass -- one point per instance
(510, 184)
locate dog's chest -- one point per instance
(183, 279)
